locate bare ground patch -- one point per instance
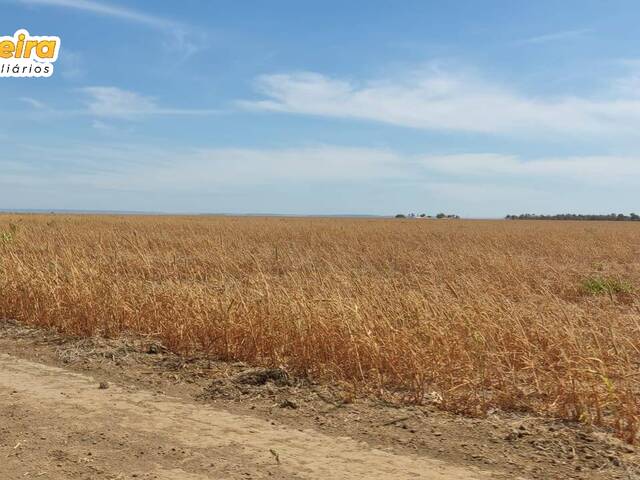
(505, 444)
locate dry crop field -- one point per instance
(521, 316)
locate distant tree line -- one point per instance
(424, 215)
(617, 217)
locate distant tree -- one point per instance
(422, 215)
(619, 217)
(400, 215)
(441, 215)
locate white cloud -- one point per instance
(126, 168)
(105, 9)
(557, 36)
(103, 127)
(71, 65)
(115, 102)
(145, 167)
(604, 169)
(329, 177)
(104, 101)
(32, 102)
(489, 193)
(186, 39)
(438, 100)
(206, 168)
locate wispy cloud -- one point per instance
(142, 167)
(103, 127)
(188, 38)
(474, 183)
(557, 36)
(101, 8)
(434, 99)
(108, 102)
(104, 101)
(115, 102)
(152, 168)
(71, 65)
(32, 102)
(586, 169)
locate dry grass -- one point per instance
(479, 314)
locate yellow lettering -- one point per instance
(46, 49)
(30, 45)
(6, 49)
(20, 45)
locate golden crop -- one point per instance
(530, 316)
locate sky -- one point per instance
(481, 109)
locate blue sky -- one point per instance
(476, 108)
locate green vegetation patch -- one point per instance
(604, 285)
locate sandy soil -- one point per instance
(117, 409)
(120, 432)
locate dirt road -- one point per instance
(55, 424)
